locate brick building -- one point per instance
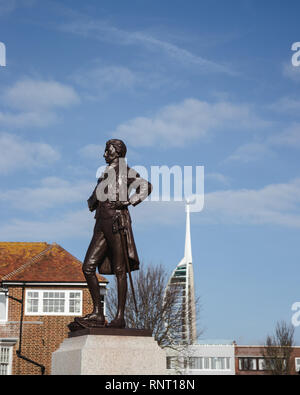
(249, 360)
(46, 289)
(224, 359)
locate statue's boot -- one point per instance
(97, 315)
(87, 322)
(94, 317)
(117, 323)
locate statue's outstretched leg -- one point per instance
(95, 252)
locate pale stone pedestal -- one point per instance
(109, 353)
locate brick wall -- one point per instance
(256, 351)
(295, 354)
(42, 334)
(246, 351)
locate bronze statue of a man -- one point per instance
(112, 249)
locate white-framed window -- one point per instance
(209, 363)
(5, 359)
(171, 362)
(206, 363)
(196, 363)
(253, 364)
(3, 307)
(248, 363)
(53, 302)
(259, 363)
(297, 364)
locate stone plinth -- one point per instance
(109, 352)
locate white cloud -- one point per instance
(289, 137)
(27, 119)
(218, 177)
(291, 72)
(19, 154)
(103, 31)
(52, 192)
(34, 102)
(99, 81)
(33, 95)
(7, 6)
(73, 224)
(180, 54)
(287, 105)
(103, 79)
(92, 151)
(274, 204)
(188, 121)
(251, 152)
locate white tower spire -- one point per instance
(188, 243)
(183, 276)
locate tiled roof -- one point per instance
(41, 262)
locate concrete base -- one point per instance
(109, 355)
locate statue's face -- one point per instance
(110, 154)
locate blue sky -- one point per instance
(188, 83)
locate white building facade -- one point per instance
(202, 359)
